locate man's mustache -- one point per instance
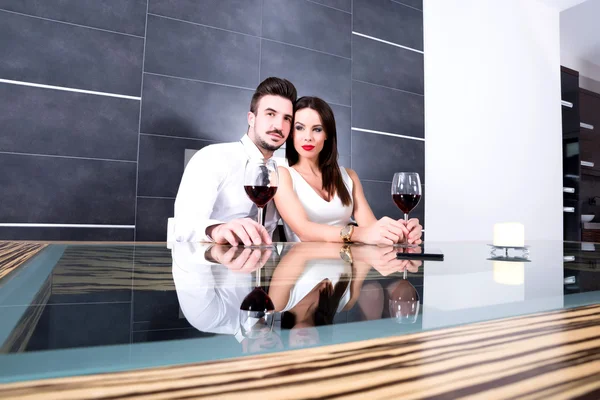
(277, 131)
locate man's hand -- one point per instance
(245, 230)
(240, 259)
(415, 230)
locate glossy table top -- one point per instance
(74, 309)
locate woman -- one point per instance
(317, 198)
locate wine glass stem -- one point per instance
(405, 273)
(258, 273)
(406, 224)
(260, 215)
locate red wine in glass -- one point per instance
(257, 300)
(261, 179)
(406, 202)
(406, 192)
(260, 195)
(256, 312)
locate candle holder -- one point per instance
(523, 256)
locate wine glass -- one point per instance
(261, 179)
(404, 303)
(406, 192)
(257, 312)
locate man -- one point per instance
(211, 203)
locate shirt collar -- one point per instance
(250, 148)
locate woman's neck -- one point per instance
(307, 166)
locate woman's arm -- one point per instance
(384, 231)
(362, 211)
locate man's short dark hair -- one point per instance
(275, 87)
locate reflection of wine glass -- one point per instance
(260, 182)
(406, 192)
(257, 312)
(404, 303)
(413, 264)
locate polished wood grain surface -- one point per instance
(540, 356)
(19, 338)
(14, 254)
(86, 268)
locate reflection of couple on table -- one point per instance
(315, 281)
(309, 284)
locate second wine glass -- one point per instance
(404, 303)
(261, 180)
(406, 192)
(257, 312)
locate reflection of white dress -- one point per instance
(318, 210)
(315, 272)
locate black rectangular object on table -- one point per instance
(425, 255)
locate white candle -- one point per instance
(509, 234)
(509, 273)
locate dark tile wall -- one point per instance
(47, 52)
(387, 98)
(124, 16)
(70, 87)
(40, 189)
(56, 122)
(112, 98)
(385, 20)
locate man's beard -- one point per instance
(267, 146)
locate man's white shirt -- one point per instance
(212, 191)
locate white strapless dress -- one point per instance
(318, 210)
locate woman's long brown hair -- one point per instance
(328, 164)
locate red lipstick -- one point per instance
(308, 147)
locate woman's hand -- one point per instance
(383, 258)
(385, 231)
(415, 231)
